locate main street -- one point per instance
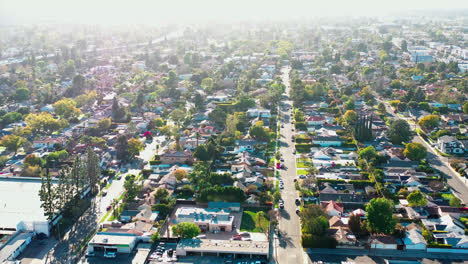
(456, 182)
(288, 244)
(62, 250)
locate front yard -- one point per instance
(253, 220)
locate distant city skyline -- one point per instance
(180, 11)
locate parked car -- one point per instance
(236, 238)
(298, 210)
(244, 234)
(298, 202)
(108, 207)
(104, 193)
(281, 206)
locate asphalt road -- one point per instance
(456, 182)
(288, 244)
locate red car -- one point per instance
(108, 208)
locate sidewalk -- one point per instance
(404, 254)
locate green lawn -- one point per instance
(299, 172)
(250, 218)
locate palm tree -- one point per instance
(197, 135)
(114, 204)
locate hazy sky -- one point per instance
(155, 11)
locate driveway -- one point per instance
(288, 245)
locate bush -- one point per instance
(311, 241)
(110, 173)
(437, 245)
(146, 173)
(154, 162)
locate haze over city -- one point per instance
(246, 132)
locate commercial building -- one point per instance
(209, 247)
(14, 246)
(120, 243)
(20, 206)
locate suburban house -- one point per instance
(315, 120)
(450, 145)
(177, 157)
(414, 239)
(47, 142)
(207, 219)
(327, 141)
(332, 208)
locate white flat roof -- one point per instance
(224, 246)
(13, 245)
(19, 200)
(108, 239)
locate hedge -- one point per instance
(437, 245)
(312, 241)
(154, 162)
(110, 173)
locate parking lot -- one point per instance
(164, 253)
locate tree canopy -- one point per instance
(415, 151)
(379, 216)
(186, 230)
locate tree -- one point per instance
(163, 210)
(350, 117)
(317, 226)
(12, 142)
(399, 131)
(416, 199)
(381, 107)
(104, 124)
(379, 216)
(123, 153)
(350, 105)
(368, 153)
(22, 94)
(32, 160)
(186, 230)
(354, 224)
(44, 122)
(207, 84)
(404, 45)
(415, 151)
(47, 196)
(155, 237)
(161, 195)
(201, 153)
(178, 115)
(180, 174)
(455, 202)
(465, 108)
(78, 85)
(134, 147)
(429, 122)
(66, 108)
(93, 169)
(258, 132)
(3, 160)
